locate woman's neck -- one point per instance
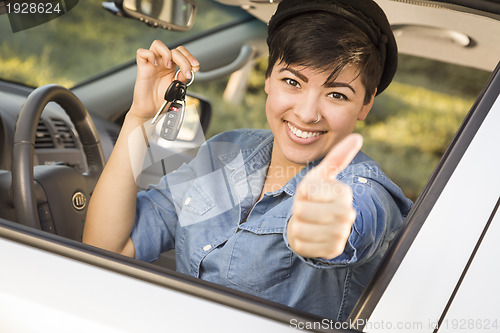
(280, 171)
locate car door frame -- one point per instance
(426, 202)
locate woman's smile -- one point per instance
(302, 135)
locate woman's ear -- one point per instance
(266, 85)
(365, 109)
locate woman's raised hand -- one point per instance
(323, 211)
(156, 68)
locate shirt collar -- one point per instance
(254, 158)
(291, 186)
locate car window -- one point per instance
(414, 120)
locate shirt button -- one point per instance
(188, 200)
(207, 247)
(362, 180)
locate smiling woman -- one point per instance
(231, 214)
(265, 227)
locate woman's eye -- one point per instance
(338, 96)
(291, 82)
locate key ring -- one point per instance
(192, 77)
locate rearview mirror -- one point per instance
(175, 15)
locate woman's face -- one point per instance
(297, 96)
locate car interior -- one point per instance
(57, 133)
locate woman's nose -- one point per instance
(307, 109)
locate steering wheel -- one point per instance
(53, 197)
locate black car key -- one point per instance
(175, 100)
(176, 91)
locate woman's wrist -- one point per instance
(133, 117)
(133, 121)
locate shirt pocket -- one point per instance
(259, 260)
(194, 205)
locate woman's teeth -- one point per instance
(302, 134)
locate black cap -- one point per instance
(365, 14)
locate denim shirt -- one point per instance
(208, 211)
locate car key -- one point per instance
(176, 91)
(173, 120)
(175, 99)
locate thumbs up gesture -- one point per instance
(322, 212)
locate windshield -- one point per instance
(87, 41)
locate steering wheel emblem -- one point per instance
(79, 201)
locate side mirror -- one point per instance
(197, 118)
(175, 15)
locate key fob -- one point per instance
(175, 92)
(173, 120)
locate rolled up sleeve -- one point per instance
(156, 215)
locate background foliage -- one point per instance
(86, 42)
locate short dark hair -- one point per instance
(323, 41)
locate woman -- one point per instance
(295, 215)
